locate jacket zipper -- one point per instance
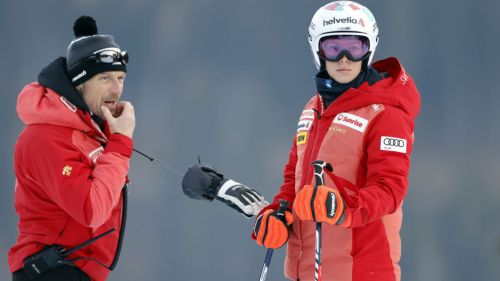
(308, 155)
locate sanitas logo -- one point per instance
(352, 121)
(343, 20)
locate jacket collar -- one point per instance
(55, 77)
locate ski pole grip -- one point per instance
(283, 205)
(319, 165)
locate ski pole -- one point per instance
(269, 254)
(320, 180)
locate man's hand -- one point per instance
(124, 123)
(203, 182)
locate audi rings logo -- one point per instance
(393, 144)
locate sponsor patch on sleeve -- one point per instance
(306, 120)
(393, 144)
(301, 138)
(94, 154)
(68, 104)
(304, 125)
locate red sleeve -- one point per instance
(388, 143)
(87, 194)
(120, 144)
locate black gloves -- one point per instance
(203, 182)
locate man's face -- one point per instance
(103, 89)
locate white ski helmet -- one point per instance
(342, 18)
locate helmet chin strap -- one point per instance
(364, 66)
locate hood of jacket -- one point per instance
(397, 90)
(53, 100)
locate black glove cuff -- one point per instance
(201, 182)
(215, 186)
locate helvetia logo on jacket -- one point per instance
(393, 144)
(352, 121)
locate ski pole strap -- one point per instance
(313, 197)
(319, 167)
(283, 205)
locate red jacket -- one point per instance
(367, 136)
(68, 187)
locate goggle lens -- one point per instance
(336, 47)
(110, 56)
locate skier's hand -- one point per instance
(205, 183)
(241, 198)
(323, 205)
(271, 230)
(123, 122)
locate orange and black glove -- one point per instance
(271, 230)
(320, 204)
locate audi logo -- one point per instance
(394, 142)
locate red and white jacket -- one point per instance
(68, 186)
(367, 136)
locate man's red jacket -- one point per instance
(68, 186)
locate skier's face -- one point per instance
(344, 70)
(103, 89)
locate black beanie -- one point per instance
(87, 43)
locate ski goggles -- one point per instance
(354, 47)
(109, 56)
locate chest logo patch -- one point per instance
(94, 154)
(67, 170)
(352, 121)
(393, 144)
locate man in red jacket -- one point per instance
(71, 162)
(361, 121)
